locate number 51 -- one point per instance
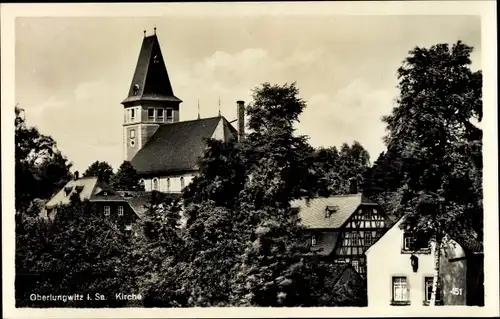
(456, 291)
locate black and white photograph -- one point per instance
(251, 157)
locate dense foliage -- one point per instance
(100, 169)
(126, 178)
(40, 168)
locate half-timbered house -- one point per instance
(341, 228)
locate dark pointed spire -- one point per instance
(151, 81)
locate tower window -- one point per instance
(159, 114)
(151, 114)
(170, 115)
(132, 143)
(132, 115)
(155, 184)
(168, 184)
(136, 89)
(132, 133)
(182, 182)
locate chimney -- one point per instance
(353, 186)
(241, 120)
(77, 175)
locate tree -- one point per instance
(279, 165)
(79, 252)
(222, 175)
(40, 168)
(100, 169)
(126, 178)
(440, 147)
(338, 170)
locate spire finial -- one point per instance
(198, 109)
(219, 105)
(154, 29)
(144, 33)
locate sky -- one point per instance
(72, 73)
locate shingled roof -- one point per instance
(312, 211)
(176, 147)
(151, 81)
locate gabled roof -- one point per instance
(90, 188)
(85, 186)
(151, 81)
(312, 212)
(176, 147)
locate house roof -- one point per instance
(84, 185)
(327, 244)
(177, 146)
(312, 211)
(151, 81)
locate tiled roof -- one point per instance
(176, 147)
(151, 80)
(85, 185)
(313, 212)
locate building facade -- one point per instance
(164, 150)
(106, 201)
(400, 276)
(341, 228)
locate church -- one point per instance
(164, 150)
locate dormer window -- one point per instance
(68, 190)
(78, 189)
(104, 193)
(136, 89)
(330, 210)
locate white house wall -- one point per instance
(385, 260)
(175, 183)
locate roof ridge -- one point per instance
(202, 119)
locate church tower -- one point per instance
(151, 101)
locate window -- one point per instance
(170, 115)
(168, 184)
(132, 133)
(128, 227)
(428, 290)
(105, 193)
(355, 239)
(120, 210)
(107, 210)
(410, 244)
(182, 182)
(155, 184)
(368, 238)
(407, 241)
(132, 115)
(400, 290)
(313, 240)
(159, 114)
(68, 190)
(355, 264)
(151, 114)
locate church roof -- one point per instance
(151, 81)
(176, 147)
